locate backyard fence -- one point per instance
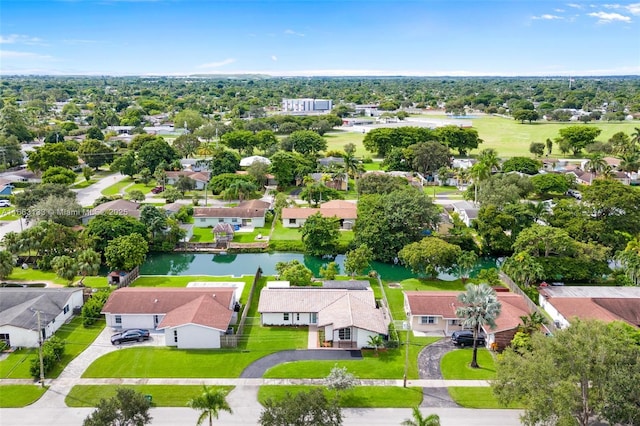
(532, 306)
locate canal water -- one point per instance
(248, 263)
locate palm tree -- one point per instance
(239, 189)
(480, 307)
(479, 172)
(419, 420)
(489, 157)
(465, 264)
(11, 242)
(376, 342)
(209, 403)
(6, 264)
(635, 136)
(532, 322)
(522, 268)
(88, 263)
(596, 163)
(630, 162)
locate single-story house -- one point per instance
(434, 312)
(194, 165)
(247, 213)
(23, 175)
(339, 181)
(467, 211)
(271, 179)
(201, 178)
(191, 317)
(19, 309)
(345, 211)
(608, 304)
(348, 318)
(172, 208)
(115, 207)
(347, 284)
(327, 161)
(247, 161)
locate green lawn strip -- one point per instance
(17, 396)
(386, 364)
(117, 187)
(202, 235)
(83, 184)
(259, 338)
(96, 282)
(336, 140)
(477, 397)
(19, 274)
(434, 190)
(282, 233)
(376, 165)
(161, 395)
(455, 365)
(396, 297)
(357, 397)
(183, 280)
(77, 338)
(250, 237)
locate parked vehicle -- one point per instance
(465, 338)
(136, 335)
(575, 194)
(5, 203)
(157, 190)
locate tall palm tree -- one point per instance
(596, 163)
(479, 172)
(489, 157)
(635, 136)
(630, 162)
(480, 307)
(419, 420)
(88, 263)
(210, 402)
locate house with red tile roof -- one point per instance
(190, 318)
(201, 178)
(434, 313)
(563, 303)
(345, 211)
(246, 213)
(348, 318)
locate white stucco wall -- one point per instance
(442, 325)
(192, 336)
(297, 223)
(20, 337)
(146, 321)
(553, 312)
(210, 222)
(295, 318)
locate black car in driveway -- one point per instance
(136, 335)
(465, 338)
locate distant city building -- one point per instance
(307, 105)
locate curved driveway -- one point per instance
(429, 368)
(259, 367)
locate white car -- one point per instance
(5, 203)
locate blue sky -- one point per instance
(319, 37)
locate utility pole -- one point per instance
(406, 354)
(40, 343)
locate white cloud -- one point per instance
(633, 8)
(79, 41)
(291, 32)
(274, 58)
(20, 39)
(575, 5)
(547, 17)
(606, 18)
(217, 64)
(12, 54)
(559, 10)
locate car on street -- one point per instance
(135, 335)
(575, 194)
(157, 190)
(465, 338)
(5, 203)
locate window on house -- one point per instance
(454, 322)
(175, 336)
(119, 319)
(234, 220)
(4, 337)
(292, 221)
(428, 320)
(344, 334)
(220, 220)
(285, 316)
(203, 219)
(65, 309)
(297, 317)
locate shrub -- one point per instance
(52, 351)
(92, 308)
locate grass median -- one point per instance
(455, 365)
(477, 397)
(17, 396)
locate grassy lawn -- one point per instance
(19, 274)
(144, 188)
(78, 338)
(376, 165)
(357, 397)
(250, 237)
(117, 187)
(162, 395)
(336, 140)
(202, 235)
(9, 216)
(83, 183)
(455, 365)
(480, 397)
(16, 396)
(183, 280)
(433, 190)
(280, 233)
(396, 298)
(387, 364)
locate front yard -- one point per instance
(455, 365)
(16, 396)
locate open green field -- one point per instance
(337, 139)
(357, 397)
(455, 365)
(476, 397)
(16, 396)
(162, 395)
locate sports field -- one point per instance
(508, 137)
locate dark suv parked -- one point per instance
(465, 338)
(130, 336)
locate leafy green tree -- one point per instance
(12, 151)
(578, 137)
(95, 153)
(526, 115)
(303, 408)
(87, 173)
(524, 165)
(339, 379)
(223, 161)
(125, 164)
(240, 140)
(464, 264)
(523, 268)
(329, 271)
(106, 227)
(126, 252)
(154, 219)
(419, 420)
(13, 123)
(188, 119)
(60, 210)
(59, 175)
(136, 195)
(596, 163)
(550, 182)
(317, 192)
(154, 152)
(285, 167)
(357, 260)
(320, 235)
(94, 133)
(239, 189)
(462, 139)
(171, 195)
(65, 267)
(7, 262)
(429, 255)
(92, 308)
(186, 145)
(294, 272)
(428, 157)
(541, 240)
(305, 142)
(51, 155)
(126, 408)
(502, 189)
(210, 402)
(629, 259)
(574, 376)
(480, 307)
(185, 184)
(379, 183)
(219, 183)
(52, 352)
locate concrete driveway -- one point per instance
(259, 367)
(429, 368)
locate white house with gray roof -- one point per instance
(348, 318)
(19, 309)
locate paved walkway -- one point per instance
(429, 369)
(258, 368)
